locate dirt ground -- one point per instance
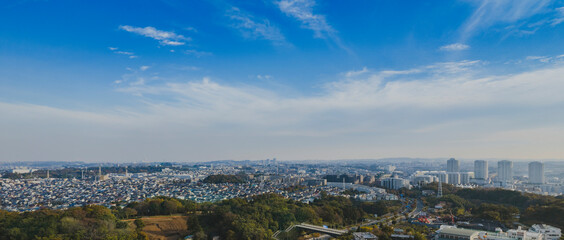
(165, 227)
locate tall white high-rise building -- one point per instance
(442, 176)
(481, 169)
(453, 165)
(536, 173)
(505, 172)
(453, 178)
(465, 177)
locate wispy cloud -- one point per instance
(490, 13)
(255, 29)
(302, 11)
(197, 53)
(264, 77)
(559, 16)
(454, 47)
(353, 73)
(543, 59)
(192, 29)
(124, 53)
(164, 37)
(131, 55)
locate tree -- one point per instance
(193, 224)
(200, 236)
(121, 224)
(170, 206)
(139, 224)
(419, 236)
(129, 212)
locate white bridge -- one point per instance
(315, 228)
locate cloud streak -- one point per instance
(116, 51)
(252, 29)
(491, 13)
(454, 47)
(164, 37)
(302, 11)
(559, 17)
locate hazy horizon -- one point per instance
(291, 79)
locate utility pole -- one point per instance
(440, 190)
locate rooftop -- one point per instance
(458, 231)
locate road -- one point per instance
(387, 219)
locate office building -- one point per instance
(536, 173)
(453, 178)
(453, 165)
(465, 177)
(481, 169)
(504, 172)
(441, 176)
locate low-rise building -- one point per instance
(550, 232)
(452, 233)
(364, 236)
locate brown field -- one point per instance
(165, 227)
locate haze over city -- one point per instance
(135, 81)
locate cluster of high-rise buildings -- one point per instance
(455, 176)
(503, 176)
(505, 173)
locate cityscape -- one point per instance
(38, 189)
(281, 120)
(31, 188)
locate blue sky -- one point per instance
(294, 79)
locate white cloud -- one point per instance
(302, 10)
(428, 111)
(143, 68)
(559, 16)
(140, 81)
(197, 53)
(164, 37)
(189, 68)
(491, 13)
(130, 55)
(264, 77)
(454, 47)
(250, 28)
(172, 43)
(543, 59)
(124, 53)
(192, 29)
(356, 73)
